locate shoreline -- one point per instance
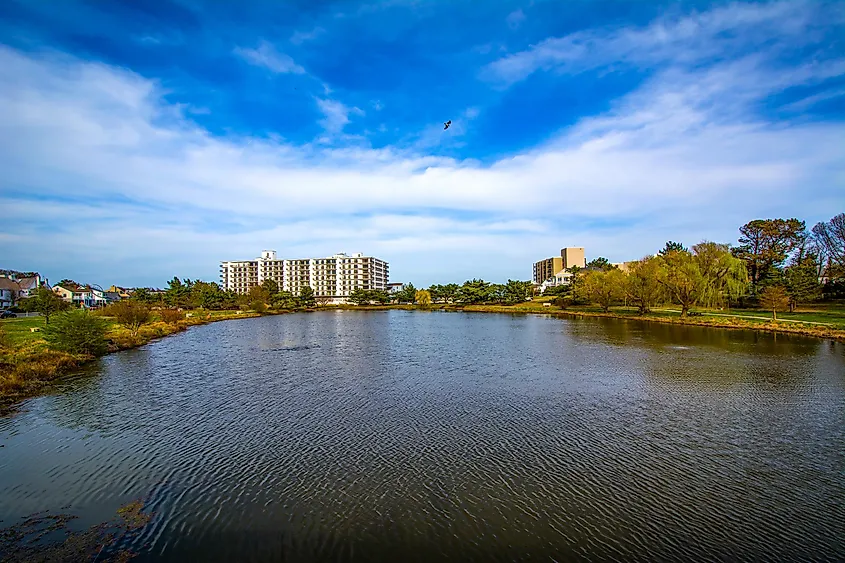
(33, 368)
(736, 323)
(38, 368)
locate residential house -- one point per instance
(9, 291)
(99, 298)
(394, 287)
(122, 292)
(81, 296)
(28, 284)
(17, 285)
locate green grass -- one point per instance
(830, 315)
(18, 330)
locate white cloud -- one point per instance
(300, 37)
(336, 114)
(515, 18)
(690, 39)
(102, 174)
(267, 56)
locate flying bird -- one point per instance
(447, 124)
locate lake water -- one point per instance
(414, 436)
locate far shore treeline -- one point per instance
(777, 264)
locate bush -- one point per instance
(562, 302)
(171, 316)
(130, 314)
(78, 332)
(258, 306)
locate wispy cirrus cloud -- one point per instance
(300, 37)
(515, 18)
(336, 114)
(702, 36)
(265, 55)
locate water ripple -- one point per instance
(394, 435)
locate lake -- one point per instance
(425, 436)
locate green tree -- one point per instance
(423, 298)
(802, 282)
(724, 276)
(474, 291)
(207, 295)
(681, 278)
(380, 296)
(449, 292)
(774, 298)
(257, 293)
(764, 244)
(600, 264)
(77, 332)
(359, 296)
(271, 286)
(558, 290)
(130, 314)
(44, 301)
(143, 295)
(407, 294)
(643, 287)
(283, 300)
(436, 292)
(178, 294)
(671, 246)
(306, 296)
(602, 287)
(517, 291)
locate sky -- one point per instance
(142, 140)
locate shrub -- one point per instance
(258, 306)
(562, 302)
(130, 314)
(78, 332)
(171, 316)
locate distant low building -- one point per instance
(394, 287)
(563, 277)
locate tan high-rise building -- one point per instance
(550, 267)
(333, 278)
(573, 256)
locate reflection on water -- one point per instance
(404, 436)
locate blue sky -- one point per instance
(146, 139)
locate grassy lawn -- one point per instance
(830, 315)
(18, 330)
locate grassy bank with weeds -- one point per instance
(28, 365)
(827, 322)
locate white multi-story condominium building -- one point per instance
(332, 278)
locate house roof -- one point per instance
(6, 283)
(28, 283)
(74, 288)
